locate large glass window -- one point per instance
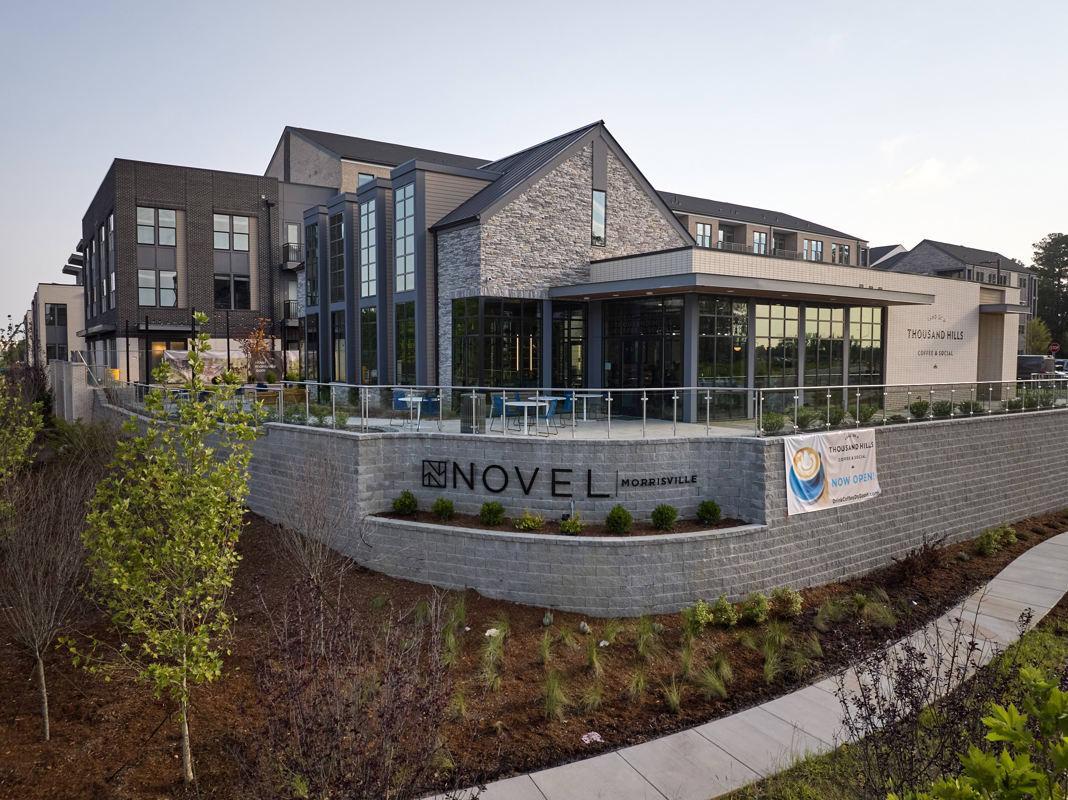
(146, 225)
(775, 344)
(723, 336)
(760, 243)
(167, 227)
(466, 336)
(643, 349)
(813, 250)
(154, 226)
(569, 345)
(704, 234)
(168, 289)
(369, 345)
(311, 265)
(839, 253)
(597, 227)
(56, 314)
(224, 225)
(824, 345)
(221, 227)
(404, 338)
(404, 237)
(337, 339)
(146, 287)
(232, 292)
(337, 258)
(368, 250)
(311, 347)
(511, 345)
(865, 345)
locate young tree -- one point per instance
(162, 538)
(20, 422)
(1037, 337)
(256, 348)
(1051, 268)
(42, 557)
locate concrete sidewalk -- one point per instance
(728, 753)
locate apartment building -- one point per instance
(55, 316)
(965, 263)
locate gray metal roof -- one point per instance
(877, 252)
(974, 256)
(685, 204)
(514, 169)
(385, 153)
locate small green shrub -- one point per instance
(710, 684)
(942, 408)
(786, 603)
(1007, 535)
(708, 512)
(618, 520)
(896, 419)
(1046, 398)
(755, 609)
(988, 543)
(806, 417)
(491, 513)
(702, 613)
(528, 521)
(835, 415)
(1013, 404)
(1031, 400)
(664, 517)
(405, 504)
(865, 413)
(721, 665)
(771, 422)
(919, 408)
(724, 614)
(270, 376)
(971, 407)
(443, 509)
(572, 525)
(691, 625)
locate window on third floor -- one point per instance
(704, 234)
(230, 232)
(598, 225)
(813, 250)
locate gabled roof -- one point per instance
(888, 263)
(875, 253)
(685, 204)
(384, 153)
(514, 170)
(974, 256)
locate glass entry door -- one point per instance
(643, 350)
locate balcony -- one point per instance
(292, 255)
(291, 313)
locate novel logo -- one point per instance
(435, 474)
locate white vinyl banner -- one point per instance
(825, 470)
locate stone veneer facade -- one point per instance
(541, 239)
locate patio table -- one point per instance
(526, 405)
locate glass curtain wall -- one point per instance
(404, 336)
(311, 347)
(569, 345)
(722, 357)
(643, 348)
(466, 332)
(511, 342)
(866, 348)
(369, 345)
(337, 337)
(824, 345)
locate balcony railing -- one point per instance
(290, 309)
(291, 253)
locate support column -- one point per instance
(691, 320)
(594, 346)
(547, 343)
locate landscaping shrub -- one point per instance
(919, 408)
(1013, 404)
(806, 417)
(528, 521)
(554, 696)
(896, 419)
(835, 415)
(672, 695)
(1030, 400)
(755, 609)
(572, 525)
(270, 376)
(1046, 398)
(664, 517)
(971, 407)
(708, 512)
(993, 540)
(865, 412)
(702, 612)
(618, 520)
(724, 613)
(942, 408)
(443, 509)
(786, 603)
(405, 504)
(772, 422)
(491, 513)
(1007, 535)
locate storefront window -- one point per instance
(643, 349)
(311, 347)
(369, 345)
(775, 345)
(723, 336)
(404, 331)
(569, 344)
(337, 337)
(824, 345)
(466, 332)
(865, 345)
(511, 342)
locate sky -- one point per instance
(893, 122)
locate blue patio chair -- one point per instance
(550, 417)
(497, 410)
(400, 405)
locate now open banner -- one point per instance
(826, 470)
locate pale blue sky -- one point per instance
(890, 121)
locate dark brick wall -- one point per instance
(200, 193)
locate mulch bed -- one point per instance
(639, 528)
(108, 740)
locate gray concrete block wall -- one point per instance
(950, 478)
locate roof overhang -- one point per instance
(742, 286)
(96, 330)
(1002, 308)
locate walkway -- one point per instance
(726, 754)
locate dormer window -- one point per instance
(597, 227)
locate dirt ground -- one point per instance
(113, 740)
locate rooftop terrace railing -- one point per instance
(622, 413)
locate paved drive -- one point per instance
(726, 754)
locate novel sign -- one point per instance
(826, 470)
